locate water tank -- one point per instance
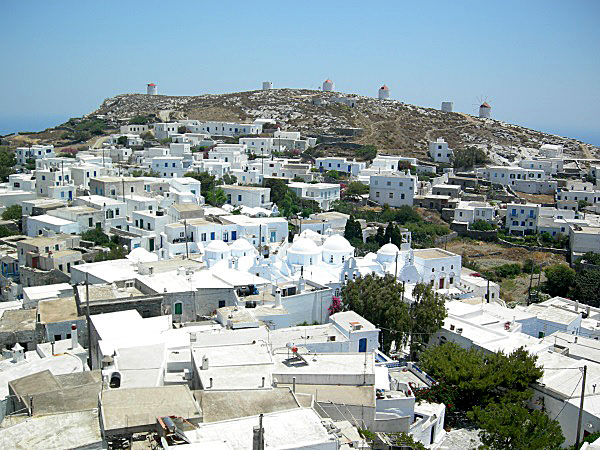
(151, 89)
(267, 85)
(447, 106)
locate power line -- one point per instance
(570, 396)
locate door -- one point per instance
(362, 345)
(151, 244)
(441, 283)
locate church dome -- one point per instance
(337, 243)
(388, 249)
(217, 246)
(242, 245)
(304, 245)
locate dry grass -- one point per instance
(536, 198)
(488, 255)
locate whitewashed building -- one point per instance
(397, 189)
(323, 193)
(439, 151)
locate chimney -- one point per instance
(210, 383)
(204, 363)
(278, 298)
(74, 337)
(150, 271)
(17, 353)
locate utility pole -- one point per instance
(123, 187)
(62, 172)
(396, 270)
(580, 408)
(187, 254)
(530, 283)
(488, 291)
(87, 316)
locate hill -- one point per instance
(390, 125)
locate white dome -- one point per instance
(241, 244)
(337, 243)
(140, 254)
(304, 245)
(310, 234)
(217, 246)
(388, 249)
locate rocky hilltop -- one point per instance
(390, 125)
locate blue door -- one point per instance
(362, 345)
(233, 235)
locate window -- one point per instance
(179, 308)
(402, 196)
(90, 222)
(212, 236)
(203, 237)
(377, 194)
(391, 195)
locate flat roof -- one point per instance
(50, 219)
(18, 320)
(553, 314)
(296, 428)
(67, 430)
(348, 319)
(127, 409)
(47, 291)
(244, 188)
(226, 405)
(60, 309)
(432, 253)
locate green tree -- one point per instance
(357, 188)
(507, 426)
(140, 120)
(13, 212)
(381, 301)
(216, 197)
(559, 279)
(333, 174)
(469, 157)
(7, 163)
(482, 225)
(207, 181)
(229, 179)
(95, 235)
(476, 378)
(353, 230)
(591, 258)
(587, 286)
(122, 141)
(5, 231)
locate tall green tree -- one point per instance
(216, 197)
(559, 279)
(207, 181)
(353, 230)
(477, 378)
(381, 301)
(586, 287)
(511, 426)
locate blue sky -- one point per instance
(536, 62)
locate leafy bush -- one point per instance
(366, 152)
(13, 212)
(482, 225)
(357, 188)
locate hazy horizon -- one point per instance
(533, 61)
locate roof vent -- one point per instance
(356, 326)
